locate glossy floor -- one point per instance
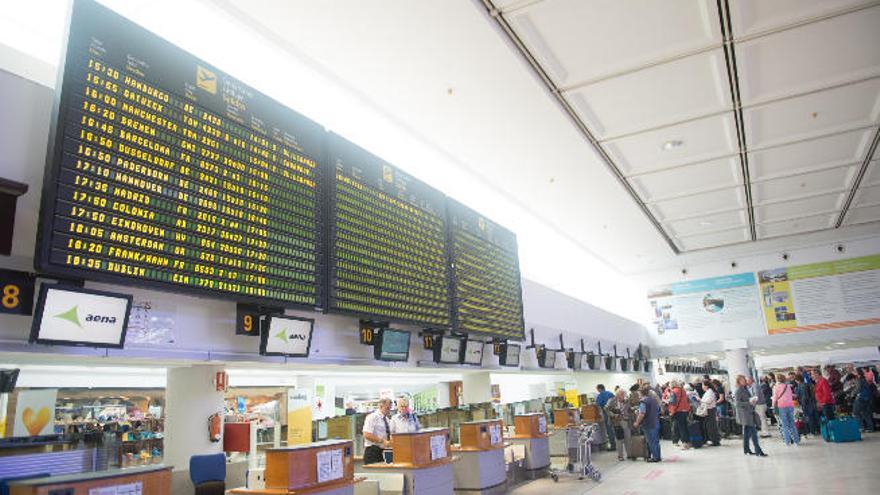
(815, 467)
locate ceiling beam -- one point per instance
(858, 179)
(733, 82)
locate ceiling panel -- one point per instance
(825, 112)
(699, 204)
(579, 41)
(810, 57)
(796, 208)
(690, 179)
(825, 152)
(701, 140)
(867, 196)
(662, 94)
(714, 239)
(872, 175)
(823, 181)
(755, 16)
(862, 215)
(789, 227)
(709, 223)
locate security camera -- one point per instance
(684, 271)
(785, 256)
(840, 248)
(733, 264)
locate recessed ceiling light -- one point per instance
(706, 223)
(840, 343)
(672, 144)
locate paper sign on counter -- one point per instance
(542, 425)
(329, 465)
(438, 447)
(495, 434)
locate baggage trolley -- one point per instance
(579, 440)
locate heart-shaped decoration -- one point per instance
(35, 422)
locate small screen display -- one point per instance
(510, 356)
(393, 345)
(473, 353)
(80, 317)
(450, 350)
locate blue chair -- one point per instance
(208, 473)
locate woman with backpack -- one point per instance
(783, 403)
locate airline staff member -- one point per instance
(377, 433)
(405, 421)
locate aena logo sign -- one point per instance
(72, 316)
(284, 336)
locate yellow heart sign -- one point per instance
(36, 422)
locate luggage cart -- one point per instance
(579, 439)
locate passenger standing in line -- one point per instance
(682, 408)
(807, 400)
(405, 421)
(649, 421)
(710, 419)
(620, 416)
(863, 405)
(784, 405)
(824, 398)
(602, 399)
(760, 406)
(745, 415)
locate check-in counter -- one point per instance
(530, 430)
(423, 458)
(563, 418)
(152, 480)
(325, 468)
(481, 469)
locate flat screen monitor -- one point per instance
(509, 355)
(287, 336)
(548, 359)
(637, 365)
(473, 352)
(592, 361)
(447, 350)
(609, 363)
(574, 360)
(393, 345)
(625, 364)
(75, 316)
(7, 380)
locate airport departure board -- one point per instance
(164, 171)
(486, 284)
(387, 244)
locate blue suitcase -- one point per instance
(841, 430)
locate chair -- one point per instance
(208, 474)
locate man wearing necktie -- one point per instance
(377, 433)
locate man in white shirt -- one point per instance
(405, 421)
(377, 433)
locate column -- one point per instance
(736, 357)
(476, 388)
(190, 398)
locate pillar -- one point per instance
(476, 388)
(190, 398)
(736, 357)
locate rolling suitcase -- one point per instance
(638, 447)
(695, 434)
(844, 429)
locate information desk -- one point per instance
(325, 468)
(146, 480)
(424, 460)
(566, 417)
(481, 470)
(531, 432)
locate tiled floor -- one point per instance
(815, 467)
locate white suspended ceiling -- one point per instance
(651, 81)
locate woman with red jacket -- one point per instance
(824, 397)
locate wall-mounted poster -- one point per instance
(821, 296)
(688, 310)
(35, 413)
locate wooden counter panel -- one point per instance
(154, 483)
